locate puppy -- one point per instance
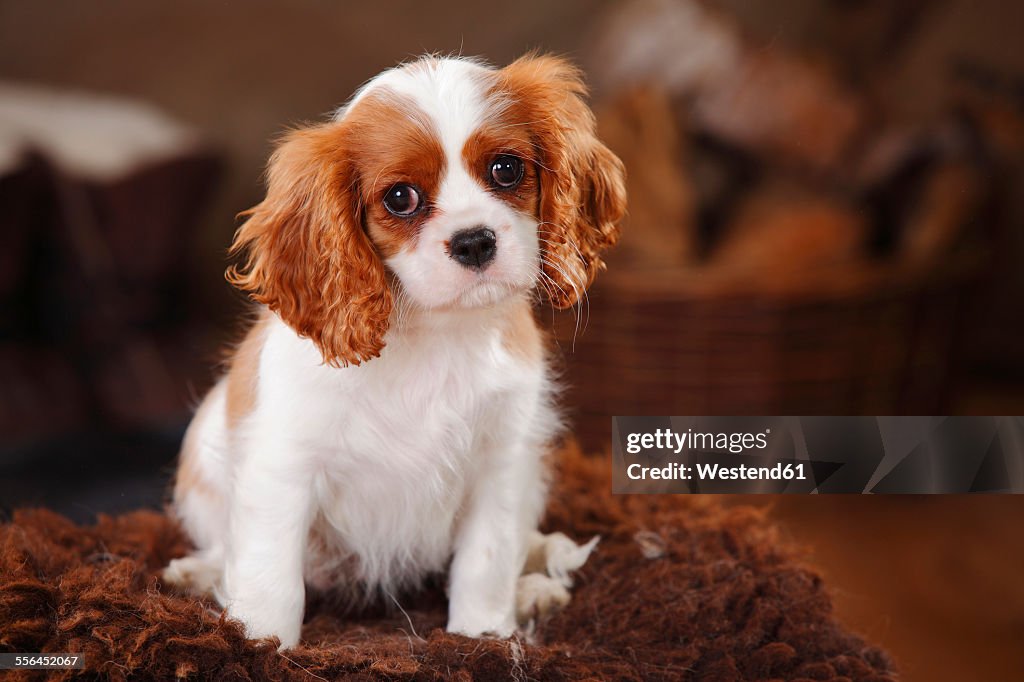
(387, 415)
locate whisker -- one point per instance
(544, 279)
(585, 298)
(576, 292)
(586, 295)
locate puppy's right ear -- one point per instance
(583, 191)
(307, 256)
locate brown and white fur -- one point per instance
(387, 415)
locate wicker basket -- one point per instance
(860, 340)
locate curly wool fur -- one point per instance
(679, 588)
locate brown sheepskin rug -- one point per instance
(679, 588)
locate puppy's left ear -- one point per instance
(582, 183)
(307, 256)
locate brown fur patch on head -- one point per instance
(503, 135)
(582, 183)
(396, 144)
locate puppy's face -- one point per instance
(449, 180)
(444, 182)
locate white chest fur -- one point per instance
(393, 446)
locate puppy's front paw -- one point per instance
(482, 624)
(262, 620)
(539, 596)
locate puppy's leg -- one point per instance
(200, 498)
(488, 559)
(269, 525)
(490, 545)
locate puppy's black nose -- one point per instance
(474, 248)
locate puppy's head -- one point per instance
(445, 182)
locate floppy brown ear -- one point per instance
(582, 183)
(306, 255)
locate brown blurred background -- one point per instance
(826, 203)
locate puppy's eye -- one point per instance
(506, 171)
(402, 200)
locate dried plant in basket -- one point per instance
(786, 232)
(641, 128)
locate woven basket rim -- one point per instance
(856, 279)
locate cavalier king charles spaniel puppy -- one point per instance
(388, 414)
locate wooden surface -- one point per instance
(937, 580)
